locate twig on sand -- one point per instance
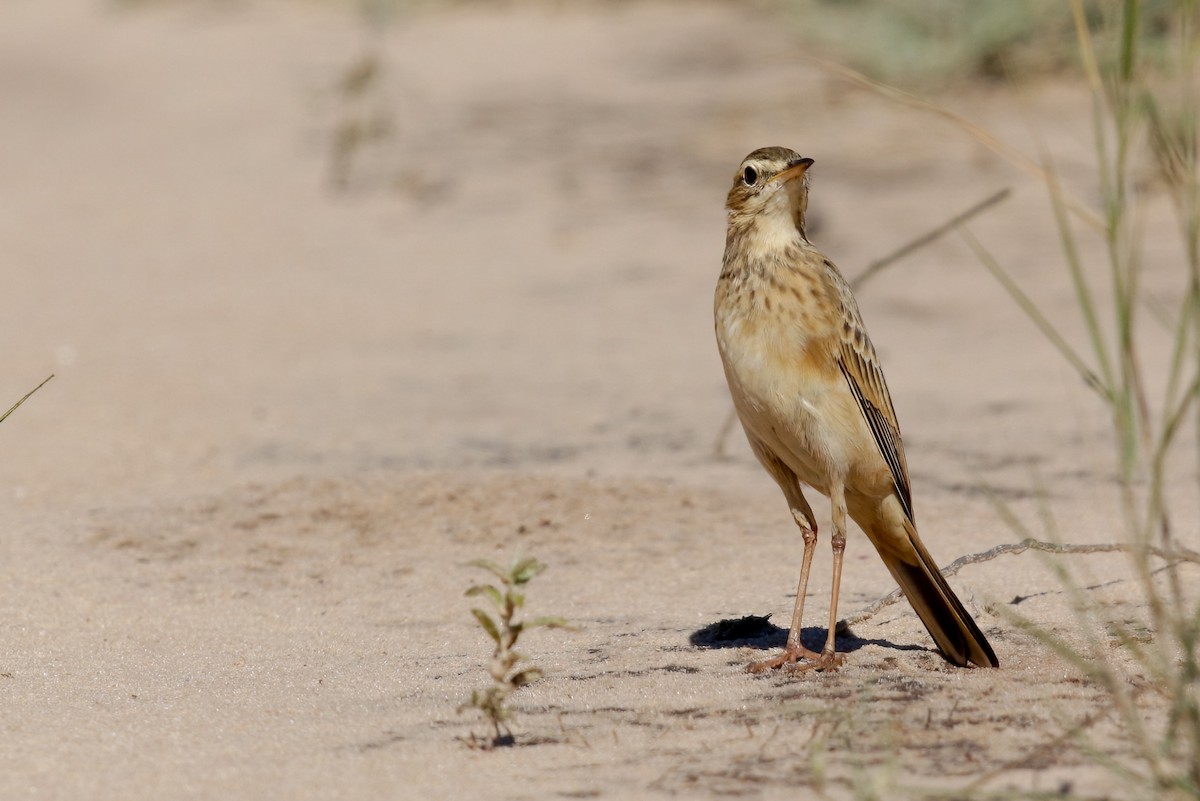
(1184, 555)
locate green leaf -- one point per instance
(491, 567)
(526, 676)
(489, 591)
(549, 622)
(525, 569)
(488, 624)
(517, 599)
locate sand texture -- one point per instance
(301, 384)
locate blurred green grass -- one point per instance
(938, 43)
(923, 44)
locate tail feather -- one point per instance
(951, 626)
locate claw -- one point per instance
(826, 661)
(790, 658)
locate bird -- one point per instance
(810, 394)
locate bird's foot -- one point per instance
(798, 659)
(824, 662)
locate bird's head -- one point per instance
(770, 189)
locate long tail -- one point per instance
(952, 628)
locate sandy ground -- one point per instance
(286, 415)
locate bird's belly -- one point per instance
(793, 406)
(799, 405)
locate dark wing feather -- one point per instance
(876, 407)
(861, 366)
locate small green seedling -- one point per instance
(492, 702)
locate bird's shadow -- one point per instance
(757, 631)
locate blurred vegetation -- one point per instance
(1142, 100)
(924, 43)
(934, 43)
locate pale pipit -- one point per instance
(809, 391)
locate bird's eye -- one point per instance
(749, 176)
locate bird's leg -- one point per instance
(794, 651)
(829, 658)
(810, 546)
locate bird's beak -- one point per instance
(797, 170)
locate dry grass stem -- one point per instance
(24, 398)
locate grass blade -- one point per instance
(13, 408)
(1035, 314)
(1083, 291)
